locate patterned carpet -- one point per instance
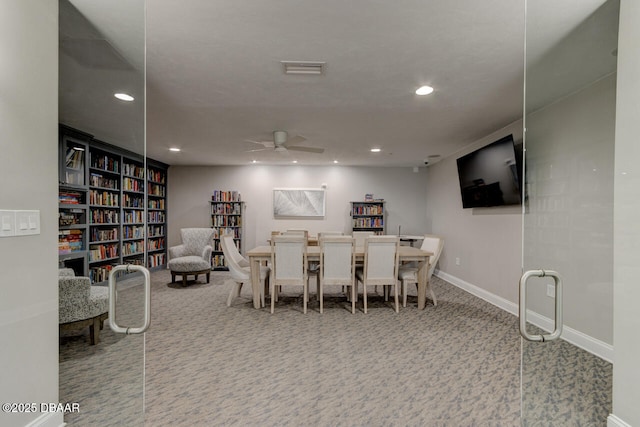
(457, 364)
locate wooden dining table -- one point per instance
(262, 254)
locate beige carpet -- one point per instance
(457, 364)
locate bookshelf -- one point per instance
(227, 210)
(368, 216)
(102, 219)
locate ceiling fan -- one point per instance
(282, 143)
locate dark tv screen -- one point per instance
(490, 176)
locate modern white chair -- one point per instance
(337, 266)
(380, 265)
(240, 269)
(289, 266)
(409, 273)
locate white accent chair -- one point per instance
(289, 266)
(193, 256)
(240, 269)
(380, 265)
(337, 266)
(408, 273)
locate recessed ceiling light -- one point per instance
(124, 97)
(295, 161)
(335, 161)
(254, 161)
(174, 149)
(424, 90)
(376, 150)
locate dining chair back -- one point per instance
(380, 265)
(409, 273)
(289, 265)
(337, 266)
(239, 269)
(360, 236)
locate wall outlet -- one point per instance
(551, 290)
(457, 261)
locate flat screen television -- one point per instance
(490, 176)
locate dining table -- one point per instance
(262, 254)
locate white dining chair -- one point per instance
(360, 236)
(240, 269)
(337, 266)
(289, 266)
(409, 273)
(380, 265)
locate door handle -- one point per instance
(112, 299)
(557, 331)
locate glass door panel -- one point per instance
(101, 54)
(570, 84)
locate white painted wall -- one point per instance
(29, 176)
(190, 188)
(626, 368)
(486, 240)
(570, 135)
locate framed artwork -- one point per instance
(298, 202)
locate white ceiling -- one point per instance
(214, 78)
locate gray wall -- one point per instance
(29, 173)
(190, 189)
(626, 373)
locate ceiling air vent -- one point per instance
(303, 67)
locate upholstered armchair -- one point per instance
(81, 305)
(193, 256)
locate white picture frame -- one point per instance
(298, 203)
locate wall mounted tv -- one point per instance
(491, 175)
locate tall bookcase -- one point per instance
(368, 216)
(102, 207)
(226, 217)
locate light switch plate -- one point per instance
(27, 223)
(7, 223)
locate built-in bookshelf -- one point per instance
(368, 216)
(112, 207)
(227, 210)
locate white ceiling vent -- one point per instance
(303, 67)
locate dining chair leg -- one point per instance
(395, 288)
(364, 297)
(274, 295)
(353, 299)
(305, 297)
(404, 293)
(320, 296)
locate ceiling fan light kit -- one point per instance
(281, 143)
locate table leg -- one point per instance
(255, 281)
(423, 268)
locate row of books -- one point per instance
(225, 196)
(132, 169)
(156, 189)
(68, 217)
(156, 216)
(156, 176)
(74, 158)
(70, 241)
(100, 273)
(132, 184)
(102, 252)
(129, 201)
(156, 231)
(104, 216)
(237, 232)
(156, 203)
(133, 217)
(103, 198)
(156, 260)
(226, 221)
(217, 261)
(132, 232)
(67, 197)
(226, 208)
(367, 210)
(368, 222)
(217, 246)
(103, 234)
(104, 162)
(155, 244)
(132, 247)
(97, 180)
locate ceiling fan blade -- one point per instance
(267, 144)
(295, 140)
(258, 149)
(307, 149)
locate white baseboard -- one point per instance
(613, 421)
(49, 419)
(573, 336)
